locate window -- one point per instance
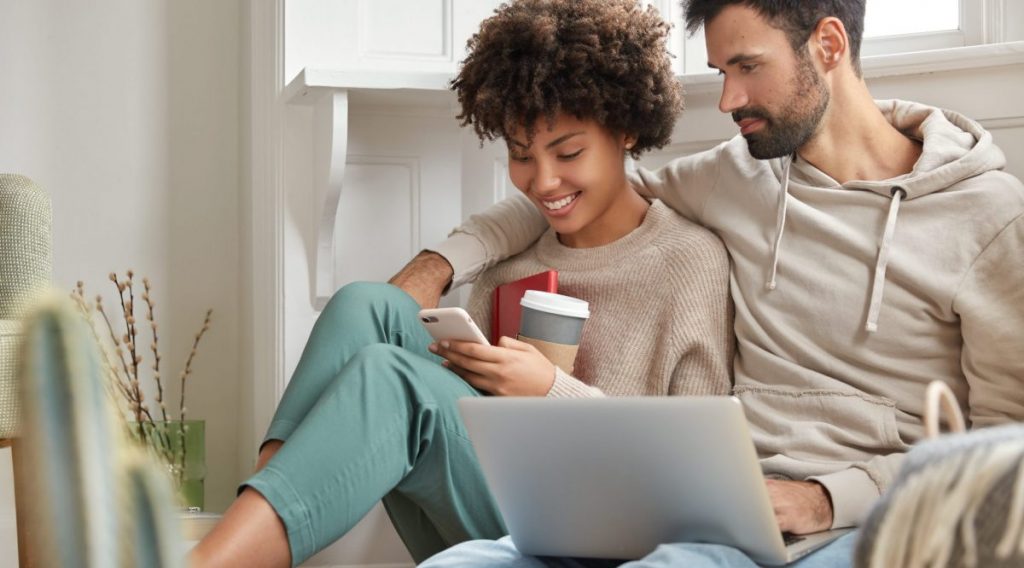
(904, 17)
(897, 26)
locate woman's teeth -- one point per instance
(553, 205)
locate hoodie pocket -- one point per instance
(820, 425)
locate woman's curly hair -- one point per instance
(603, 60)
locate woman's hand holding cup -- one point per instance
(511, 368)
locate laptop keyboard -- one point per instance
(789, 538)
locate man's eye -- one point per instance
(570, 156)
(748, 67)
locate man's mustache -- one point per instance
(744, 113)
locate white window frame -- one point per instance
(981, 22)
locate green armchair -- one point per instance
(25, 266)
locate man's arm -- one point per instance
(502, 230)
(835, 500)
(801, 507)
(425, 278)
(990, 303)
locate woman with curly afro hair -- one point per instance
(572, 87)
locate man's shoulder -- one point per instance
(994, 194)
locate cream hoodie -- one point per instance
(850, 297)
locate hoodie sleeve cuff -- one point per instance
(466, 254)
(853, 495)
(568, 386)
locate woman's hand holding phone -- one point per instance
(511, 368)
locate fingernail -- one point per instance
(432, 347)
(445, 344)
(445, 363)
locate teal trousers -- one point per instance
(370, 415)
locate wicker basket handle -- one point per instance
(940, 397)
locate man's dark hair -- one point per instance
(600, 60)
(797, 18)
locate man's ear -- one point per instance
(829, 43)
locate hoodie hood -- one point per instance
(953, 148)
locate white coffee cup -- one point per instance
(553, 323)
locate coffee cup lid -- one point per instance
(556, 304)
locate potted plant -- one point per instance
(171, 437)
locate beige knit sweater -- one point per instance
(660, 315)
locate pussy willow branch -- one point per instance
(127, 309)
(126, 380)
(136, 403)
(184, 375)
(155, 348)
(116, 383)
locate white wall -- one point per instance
(126, 112)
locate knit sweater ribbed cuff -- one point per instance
(567, 386)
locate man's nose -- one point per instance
(733, 96)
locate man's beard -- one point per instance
(783, 135)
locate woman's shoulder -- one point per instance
(511, 269)
(682, 238)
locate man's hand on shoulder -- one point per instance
(801, 507)
(424, 278)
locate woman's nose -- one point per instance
(547, 178)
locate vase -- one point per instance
(176, 443)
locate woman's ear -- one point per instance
(628, 140)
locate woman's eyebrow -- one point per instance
(561, 139)
(551, 144)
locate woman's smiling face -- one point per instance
(573, 171)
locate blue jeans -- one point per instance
(503, 554)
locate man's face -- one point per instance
(774, 94)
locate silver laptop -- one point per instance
(615, 477)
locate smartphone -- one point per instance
(451, 323)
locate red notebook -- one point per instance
(505, 310)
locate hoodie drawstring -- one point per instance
(875, 305)
(780, 225)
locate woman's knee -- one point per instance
(379, 354)
(359, 295)
(383, 364)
